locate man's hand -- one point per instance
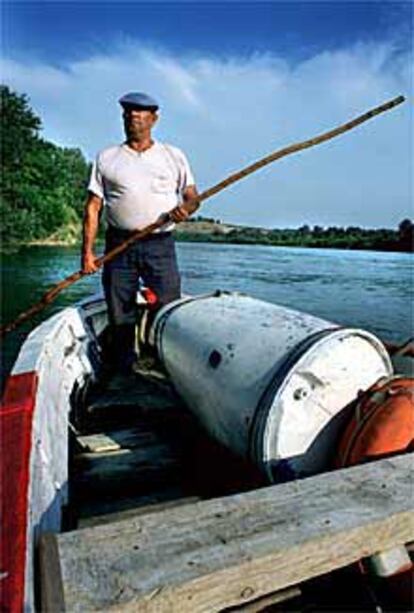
(183, 211)
(179, 214)
(88, 263)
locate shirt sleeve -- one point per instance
(96, 181)
(186, 176)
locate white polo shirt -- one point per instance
(138, 187)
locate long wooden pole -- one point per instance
(53, 292)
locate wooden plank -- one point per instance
(108, 416)
(112, 441)
(107, 518)
(139, 401)
(95, 506)
(125, 468)
(223, 552)
(137, 392)
(262, 604)
(123, 401)
(51, 587)
(96, 443)
(152, 375)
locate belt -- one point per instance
(113, 232)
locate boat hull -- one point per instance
(58, 356)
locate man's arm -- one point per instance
(180, 213)
(93, 207)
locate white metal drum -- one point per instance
(266, 381)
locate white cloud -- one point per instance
(181, 82)
(226, 112)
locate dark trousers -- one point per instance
(153, 260)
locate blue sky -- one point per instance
(236, 80)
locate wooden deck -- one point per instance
(206, 556)
(136, 445)
(169, 521)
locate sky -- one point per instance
(235, 82)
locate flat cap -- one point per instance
(139, 99)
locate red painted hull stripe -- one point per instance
(16, 420)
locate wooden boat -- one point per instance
(113, 496)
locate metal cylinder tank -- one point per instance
(266, 381)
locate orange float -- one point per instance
(382, 423)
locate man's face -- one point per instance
(138, 122)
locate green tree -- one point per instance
(42, 187)
(19, 133)
(406, 235)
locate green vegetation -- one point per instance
(43, 186)
(352, 237)
(43, 190)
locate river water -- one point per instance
(365, 289)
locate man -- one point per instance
(137, 181)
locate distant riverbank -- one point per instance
(383, 239)
(203, 230)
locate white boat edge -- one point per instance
(36, 404)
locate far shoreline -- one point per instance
(204, 230)
(16, 247)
